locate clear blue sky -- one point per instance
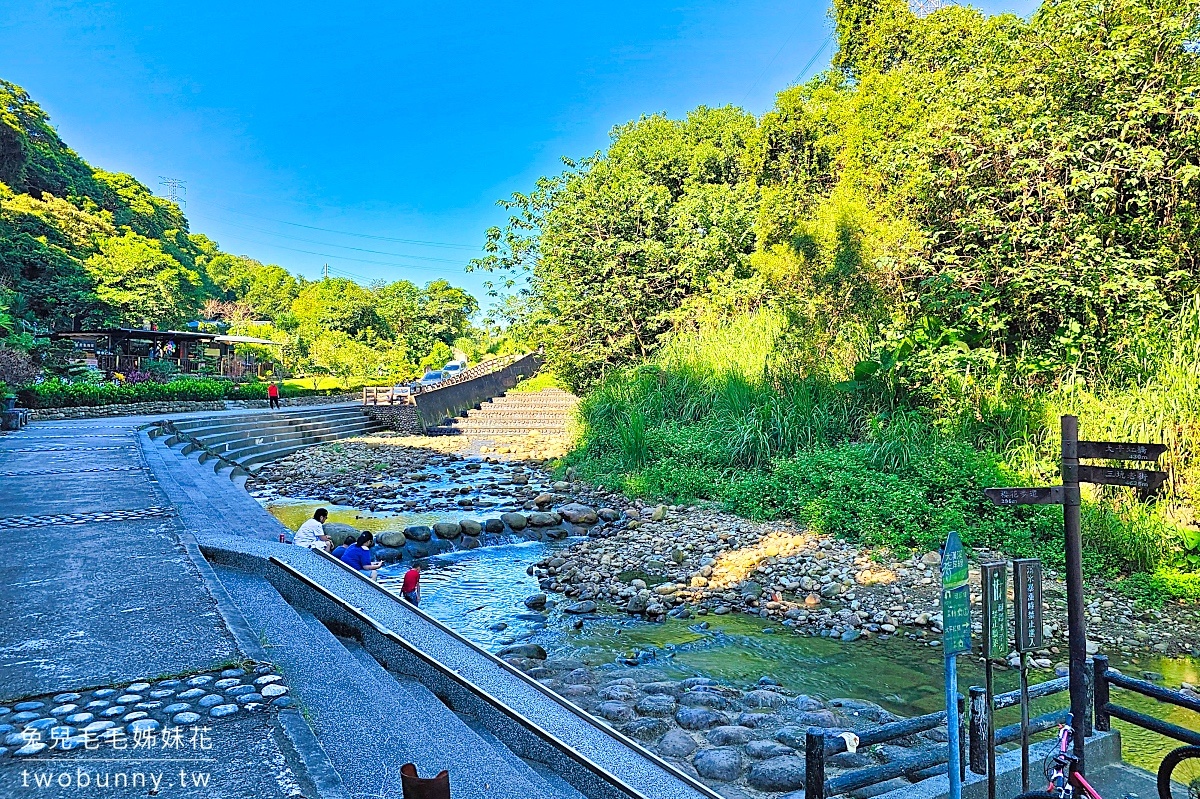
(406, 122)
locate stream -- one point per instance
(480, 593)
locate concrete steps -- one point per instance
(238, 444)
(548, 412)
(369, 721)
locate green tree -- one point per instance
(137, 282)
(337, 304)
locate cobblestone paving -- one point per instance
(14, 522)
(139, 715)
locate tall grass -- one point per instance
(723, 413)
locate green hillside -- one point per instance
(873, 301)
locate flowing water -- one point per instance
(481, 592)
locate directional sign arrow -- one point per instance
(1121, 451)
(1047, 495)
(1135, 478)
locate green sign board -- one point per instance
(995, 609)
(956, 598)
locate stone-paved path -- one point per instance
(97, 590)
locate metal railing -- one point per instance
(821, 744)
(530, 724)
(394, 395)
(1105, 679)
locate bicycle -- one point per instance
(1178, 776)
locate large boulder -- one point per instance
(470, 527)
(615, 711)
(677, 743)
(541, 519)
(423, 549)
(723, 764)
(729, 735)
(586, 606)
(783, 773)
(387, 554)
(338, 532)
(645, 729)
(418, 532)
(699, 718)
(578, 513)
(447, 530)
(493, 525)
(516, 521)
(391, 538)
(656, 705)
(531, 651)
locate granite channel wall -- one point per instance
(153, 408)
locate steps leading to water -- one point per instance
(371, 721)
(240, 443)
(516, 414)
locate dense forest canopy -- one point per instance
(874, 300)
(82, 247)
(1006, 187)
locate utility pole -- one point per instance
(325, 271)
(175, 189)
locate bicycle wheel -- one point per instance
(1179, 774)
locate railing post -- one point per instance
(1100, 692)
(1089, 689)
(979, 730)
(814, 763)
(962, 738)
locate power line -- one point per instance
(770, 63)
(338, 246)
(341, 257)
(346, 232)
(176, 188)
(814, 58)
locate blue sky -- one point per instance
(291, 120)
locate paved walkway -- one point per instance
(98, 590)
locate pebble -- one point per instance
(177, 707)
(223, 710)
(211, 700)
(144, 726)
(187, 717)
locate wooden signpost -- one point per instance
(994, 580)
(1067, 495)
(956, 638)
(1027, 592)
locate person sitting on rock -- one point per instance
(359, 557)
(349, 542)
(411, 590)
(312, 533)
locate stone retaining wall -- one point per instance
(400, 418)
(438, 404)
(155, 408)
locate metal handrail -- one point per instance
(525, 678)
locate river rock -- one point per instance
(763, 750)
(531, 651)
(791, 736)
(729, 735)
(704, 699)
(387, 554)
(608, 514)
(666, 687)
(645, 729)
(516, 521)
(615, 711)
(818, 718)
(721, 764)
(578, 513)
(391, 538)
(542, 519)
(470, 527)
(493, 525)
(536, 602)
(423, 549)
(418, 532)
(447, 530)
(783, 773)
(764, 699)
(677, 743)
(699, 718)
(338, 532)
(656, 705)
(586, 606)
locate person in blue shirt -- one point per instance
(349, 542)
(359, 556)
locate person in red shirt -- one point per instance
(411, 590)
(273, 394)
